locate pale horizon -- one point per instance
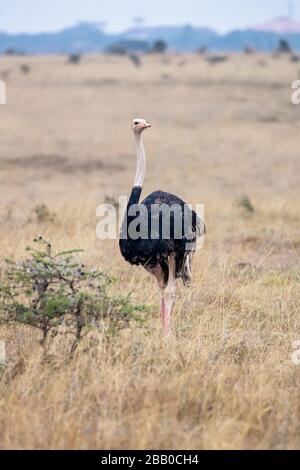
(17, 17)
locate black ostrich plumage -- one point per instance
(152, 248)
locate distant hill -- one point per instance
(182, 38)
(236, 41)
(84, 37)
(90, 37)
(279, 25)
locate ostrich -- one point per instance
(164, 257)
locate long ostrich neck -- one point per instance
(140, 173)
(141, 161)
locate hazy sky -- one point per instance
(48, 15)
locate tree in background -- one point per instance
(159, 47)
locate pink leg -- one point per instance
(167, 292)
(162, 305)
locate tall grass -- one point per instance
(225, 378)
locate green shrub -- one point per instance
(245, 203)
(48, 291)
(42, 214)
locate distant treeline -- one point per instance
(89, 38)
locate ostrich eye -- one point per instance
(135, 123)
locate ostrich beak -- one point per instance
(146, 126)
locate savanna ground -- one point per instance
(224, 379)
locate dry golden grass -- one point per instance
(224, 379)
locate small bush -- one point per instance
(25, 68)
(284, 47)
(48, 291)
(244, 203)
(217, 59)
(159, 47)
(41, 214)
(135, 59)
(74, 58)
(295, 58)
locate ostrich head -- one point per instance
(139, 125)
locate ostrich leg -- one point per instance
(168, 296)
